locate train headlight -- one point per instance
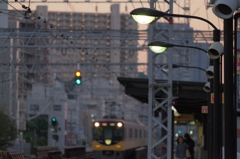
(119, 125)
(96, 124)
(108, 141)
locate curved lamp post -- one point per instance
(160, 46)
(146, 16)
(206, 87)
(183, 66)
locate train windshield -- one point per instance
(112, 132)
(108, 132)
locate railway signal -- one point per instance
(54, 121)
(78, 77)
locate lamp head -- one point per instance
(159, 46)
(215, 50)
(165, 68)
(210, 72)
(146, 15)
(206, 87)
(225, 8)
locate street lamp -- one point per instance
(152, 15)
(159, 47)
(155, 46)
(206, 87)
(179, 66)
(148, 15)
(210, 72)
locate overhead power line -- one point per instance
(84, 1)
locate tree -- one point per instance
(8, 131)
(37, 132)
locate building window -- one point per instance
(34, 107)
(57, 107)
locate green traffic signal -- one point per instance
(78, 77)
(78, 81)
(54, 121)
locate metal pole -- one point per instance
(217, 107)
(217, 111)
(210, 136)
(229, 107)
(150, 97)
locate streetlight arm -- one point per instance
(161, 44)
(156, 13)
(199, 68)
(193, 17)
(193, 47)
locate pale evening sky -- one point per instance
(197, 8)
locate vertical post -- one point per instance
(150, 95)
(230, 137)
(235, 63)
(217, 111)
(217, 106)
(210, 121)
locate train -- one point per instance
(117, 138)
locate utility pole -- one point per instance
(159, 128)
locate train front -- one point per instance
(108, 139)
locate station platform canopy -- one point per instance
(189, 96)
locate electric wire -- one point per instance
(141, 3)
(43, 27)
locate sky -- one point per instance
(197, 8)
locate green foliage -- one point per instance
(37, 132)
(8, 131)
